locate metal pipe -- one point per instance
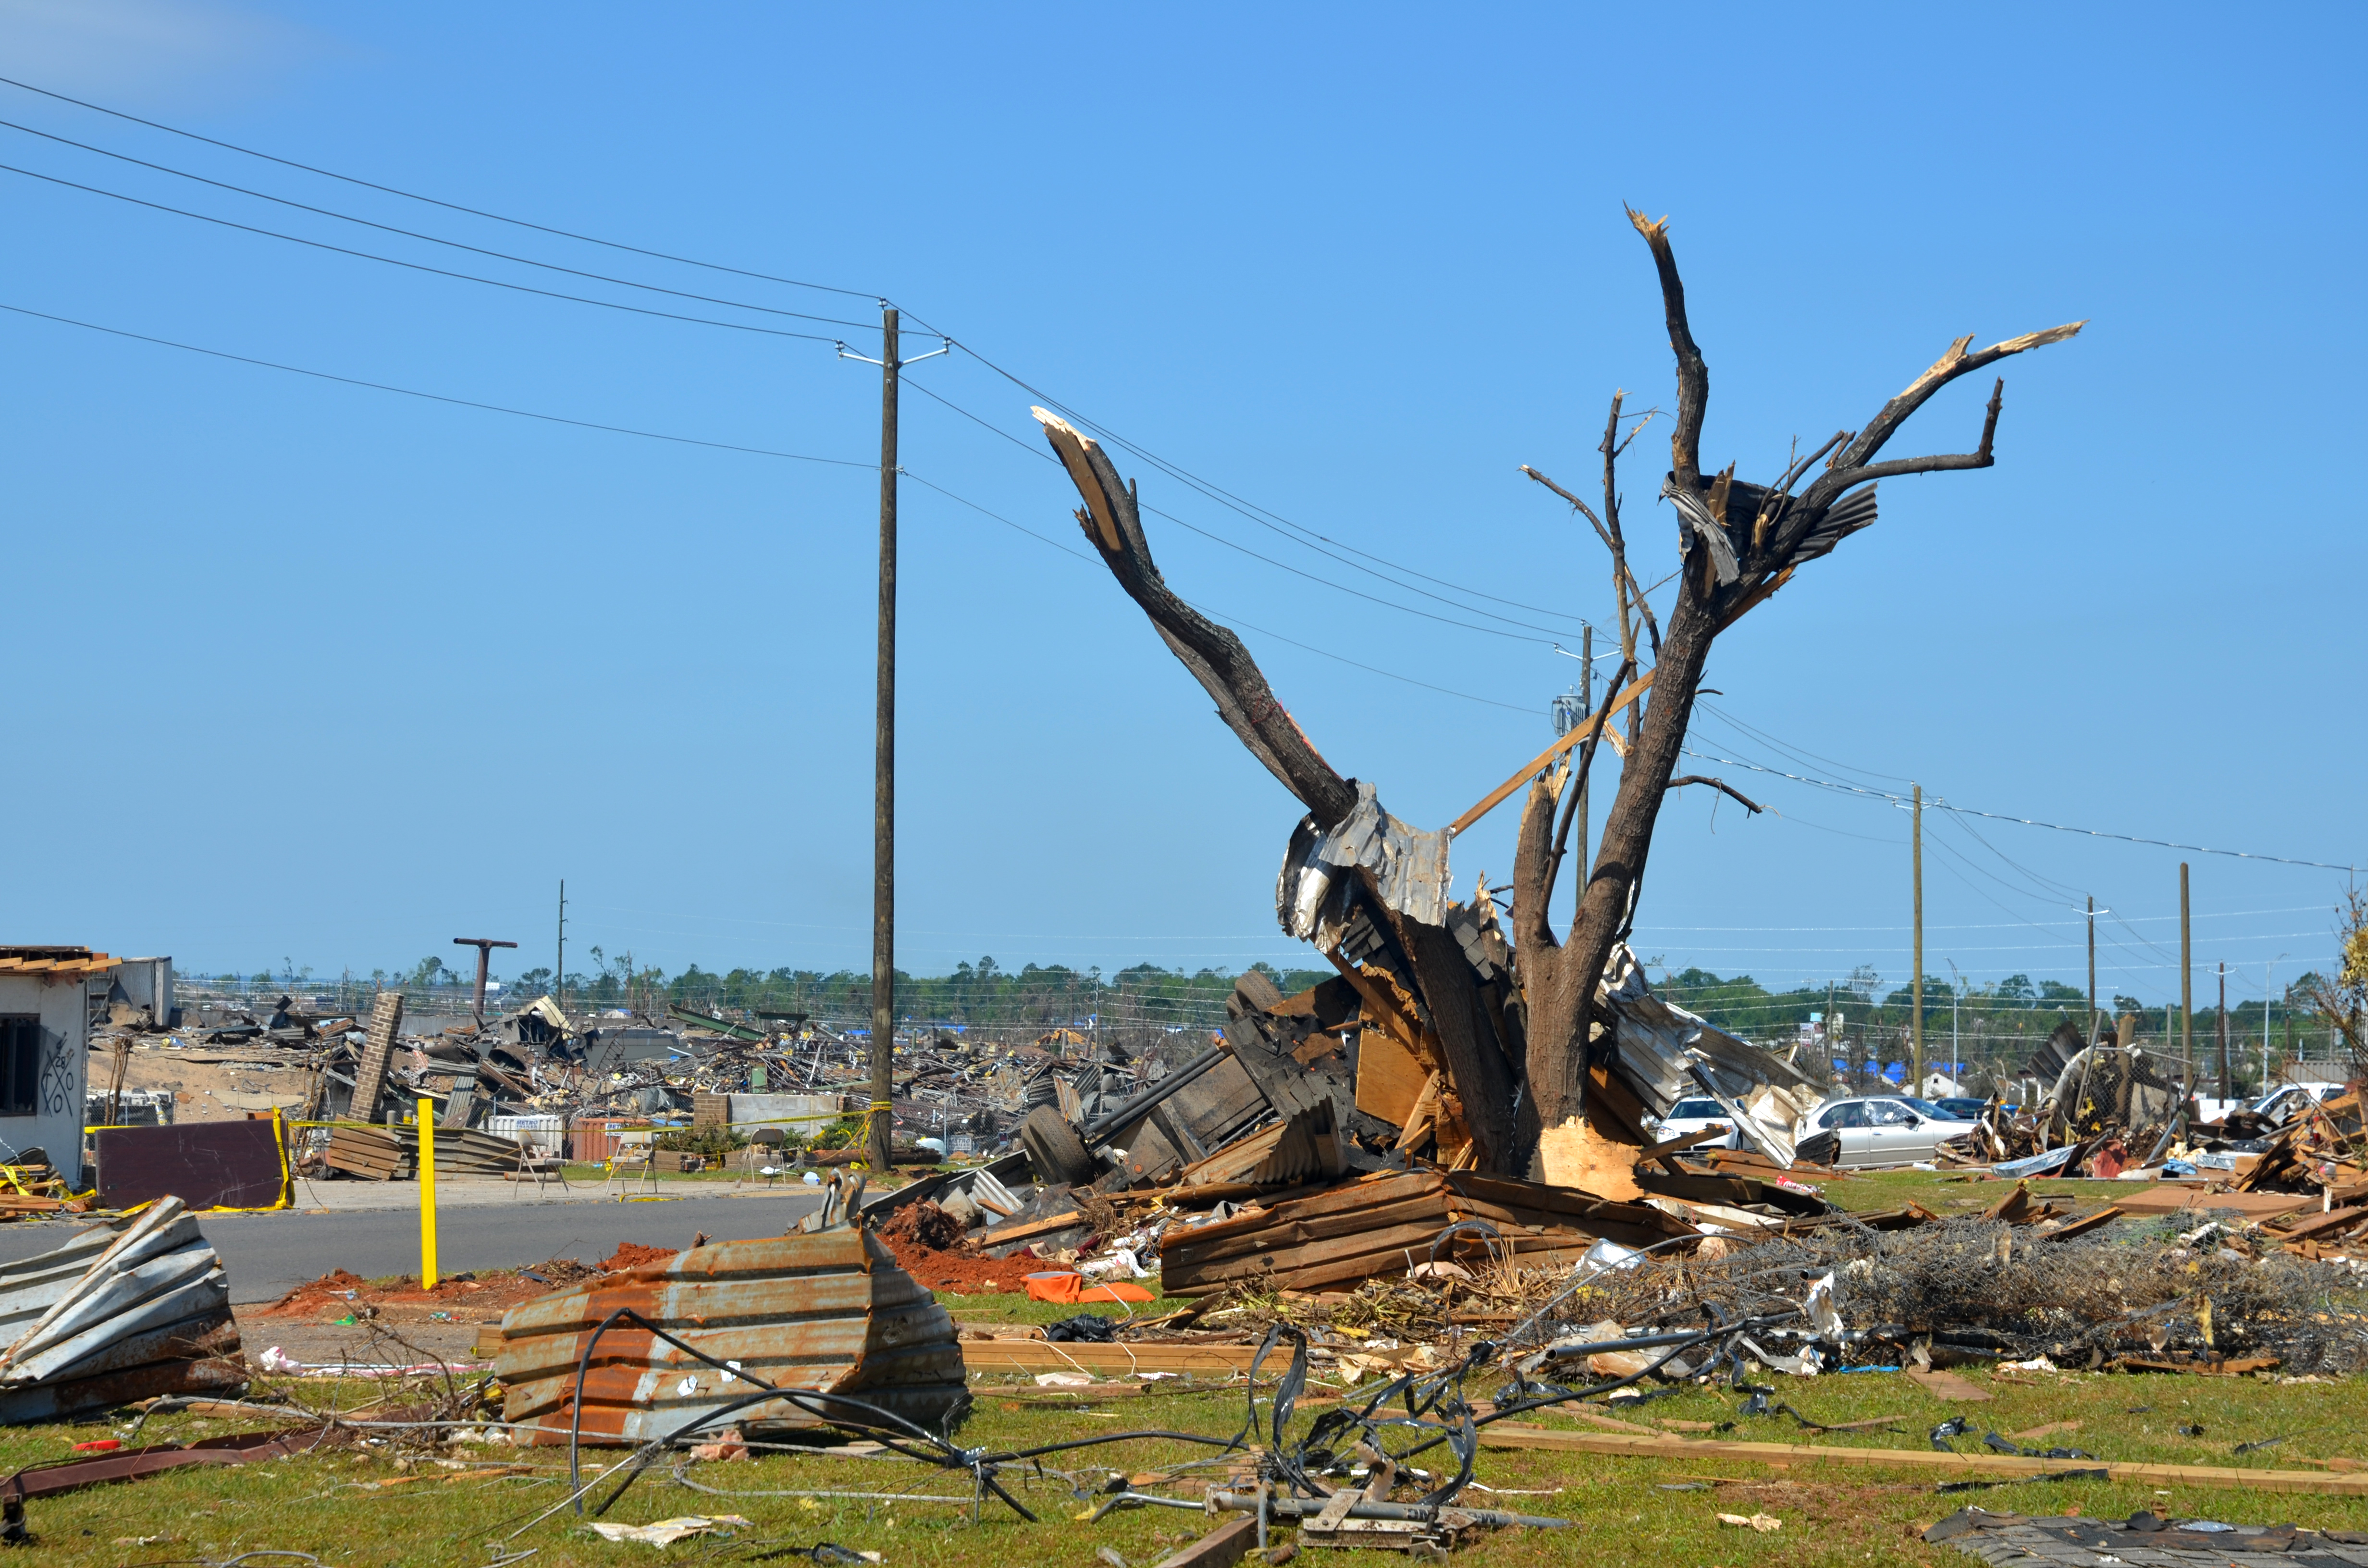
(1101, 1128)
(1419, 1513)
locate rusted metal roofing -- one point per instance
(64, 962)
(824, 1313)
(116, 1315)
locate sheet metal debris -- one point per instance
(118, 1314)
(826, 1313)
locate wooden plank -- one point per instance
(2169, 1200)
(1034, 1355)
(1544, 759)
(1220, 1548)
(1390, 1078)
(1508, 1434)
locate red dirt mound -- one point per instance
(633, 1255)
(929, 1244)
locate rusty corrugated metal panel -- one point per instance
(145, 1308)
(826, 1313)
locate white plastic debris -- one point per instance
(1607, 1254)
(1825, 1311)
(666, 1532)
(1063, 1381)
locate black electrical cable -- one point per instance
(432, 201)
(432, 239)
(418, 265)
(439, 397)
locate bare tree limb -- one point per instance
(1978, 458)
(1853, 464)
(1612, 448)
(1215, 656)
(1693, 374)
(1748, 803)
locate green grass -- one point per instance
(326, 1505)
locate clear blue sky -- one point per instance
(305, 671)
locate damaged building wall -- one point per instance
(46, 995)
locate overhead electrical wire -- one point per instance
(433, 201)
(1309, 539)
(439, 397)
(1936, 803)
(417, 266)
(716, 446)
(431, 239)
(1268, 560)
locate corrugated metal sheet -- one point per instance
(1408, 867)
(828, 1312)
(1666, 1053)
(116, 1314)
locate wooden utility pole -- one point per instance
(883, 777)
(2092, 969)
(1916, 986)
(1586, 692)
(2227, 1086)
(559, 971)
(2186, 985)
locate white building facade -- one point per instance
(46, 998)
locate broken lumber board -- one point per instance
(1544, 759)
(1506, 1434)
(1034, 1355)
(2164, 1200)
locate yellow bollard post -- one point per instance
(427, 1194)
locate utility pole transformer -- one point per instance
(883, 777)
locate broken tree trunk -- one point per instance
(1499, 1038)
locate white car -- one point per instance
(1884, 1130)
(2284, 1103)
(1689, 1117)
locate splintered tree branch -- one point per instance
(1854, 465)
(1215, 655)
(1747, 802)
(1693, 375)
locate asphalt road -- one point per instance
(268, 1255)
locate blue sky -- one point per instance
(315, 672)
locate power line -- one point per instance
(439, 397)
(417, 266)
(1221, 616)
(1268, 560)
(432, 239)
(718, 445)
(1307, 537)
(1936, 803)
(433, 201)
(1265, 517)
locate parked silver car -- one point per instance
(1884, 1129)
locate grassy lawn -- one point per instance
(372, 1508)
(457, 1504)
